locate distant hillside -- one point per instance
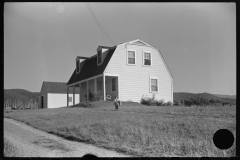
(19, 94)
(226, 96)
(178, 96)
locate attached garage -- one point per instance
(54, 95)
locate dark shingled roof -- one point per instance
(90, 68)
(58, 87)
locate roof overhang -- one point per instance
(143, 43)
(101, 47)
(81, 57)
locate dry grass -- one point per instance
(138, 130)
(9, 149)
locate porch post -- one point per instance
(73, 94)
(79, 92)
(95, 85)
(87, 92)
(118, 87)
(67, 95)
(104, 90)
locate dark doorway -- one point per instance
(41, 101)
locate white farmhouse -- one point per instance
(129, 71)
(54, 95)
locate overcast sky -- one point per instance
(197, 40)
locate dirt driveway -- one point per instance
(32, 142)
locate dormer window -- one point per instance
(80, 62)
(101, 54)
(77, 66)
(99, 57)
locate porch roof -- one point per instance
(58, 87)
(90, 68)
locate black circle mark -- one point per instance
(89, 156)
(175, 158)
(205, 158)
(223, 139)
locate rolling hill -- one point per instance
(178, 96)
(226, 96)
(19, 94)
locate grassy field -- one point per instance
(9, 149)
(136, 129)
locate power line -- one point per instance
(99, 25)
(95, 18)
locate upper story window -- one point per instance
(147, 59)
(154, 84)
(99, 57)
(114, 84)
(131, 57)
(77, 66)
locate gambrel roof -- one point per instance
(141, 43)
(57, 87)
(90, 68)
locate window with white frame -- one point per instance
(147, 59)
(114, 84)
(69, 99)
(131, 57)
(153, 84)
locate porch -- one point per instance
(105, 85)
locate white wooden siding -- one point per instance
(135, 78)
(56, 100)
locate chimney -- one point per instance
(80, 62)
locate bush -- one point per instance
(169, 103)
(160, 102)
(177, 103)
(187, 103)
(97, 96)
(148, 101)
(151, 101)
(94, 96)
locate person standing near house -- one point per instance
(116, 103)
